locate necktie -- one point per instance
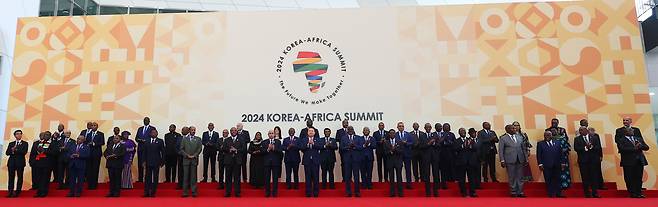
(115, 146)
(78, 148)
(392, 142)
(152, 140)
(144, 131)
(550, 143)
(514, 138)
(587, 139)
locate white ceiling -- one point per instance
(256, 5)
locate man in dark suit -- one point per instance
(244, 136)
(154, 157)
(435, 157)
(380, 138)
(210, 140)
(599, 172)
(291, 159)
(467, 160)
(16, 150)
(368, 159)
(472, 134)
(549, 158)
(114, 154)
(220, 158)
(447, 154)
(589, 161)
(272, 163)
(328, 159)
(415, 152)
(394, 152)
(233, 151)
(488, 139)
(424, 149)
(62, 160)
(631, 146)
(304, 132)
(311, 146)
(95, 140)
(57, 169)
(352, 146)
(141, 137)
(43, 152)
(171, 152)
(340, 133)
(184, 132)
(77, 153)
(407, 141)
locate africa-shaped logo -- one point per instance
(308, 62)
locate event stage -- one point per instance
(494, 194)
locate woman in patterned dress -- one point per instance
(127, 175)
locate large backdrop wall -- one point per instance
(462, 64)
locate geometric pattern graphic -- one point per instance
(526, 62)
(530, 62)
(306, 62)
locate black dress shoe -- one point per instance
(358, 195)
(348, 195)
(513, 195)
(10, 194)
(308, 196)
(464, 195)
(603, 188)
(521, 196)
(146, 196)
(237, 195)
(559, 196)
(227, 195)
(400, 195)
(391, 195)
(203, 181)
(70, 195)
(184, 196)
(596, 196)
(109, 195)
(641, 196)
(194, 195)
(473, 195)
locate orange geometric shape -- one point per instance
(618, 67)
(85, 97)
(496, 44)
(93, 77)
(553, 57)
(107, 106)
(576, 84)
(124, 90)
(532, 108)
(613, 89)
(489, 100)
(590, 60)
(529, 83)
(513, 90)
(450, 84)
(593, 104)
(641, 98)
(51, 91)
(499, 72)
(20, 94)
(597, 21)
(534, 19)
(105, 55)
(30, 112)
(625, 42)
(449, 108)
(36, 72)
(124, 113)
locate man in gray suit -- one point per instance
(513, 157)
(190, 148)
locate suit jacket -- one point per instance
(190, 146)
(550, 156)
(16, 157)
(233, 158)
(154, 152)
(380, 137)
(585, 154)
(434, 149)
(115, 161)
(292, 153)
(328, 152)
(422, 146)
(210, 142)
(352, 150)
(244, 136)
(510, 151)
(311, 152)
(79, 162)
(171, 143)
(369, 146)
(394, 153)
(340, 133)
(409, 139)
(43, 153)
(466, 152)
(630, 155)
(488, 142)
(63, 152)
(304, 131)
(621, 133)
(142, 135)
(95, 140)
(272, 158)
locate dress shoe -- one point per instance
(588, 196)
(109, 195)
(641, 196)
(521, 196)
(596, 196)
(400, 195)
(70, 195)
(496, 181)
(513, 195)
(227, 195)
(473, 195)
(348, 195)
(358, 195)
(214, 181)
(146, 196)
(464, 195)
(184, 196)
(194, 195)
(10, 194)
(203, 181)
(267, 195)
(36, 196)
(560, 196)
(315, 195)
(237, 195)
(603, 188)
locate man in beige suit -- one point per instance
(513, 157)
(190, 148)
